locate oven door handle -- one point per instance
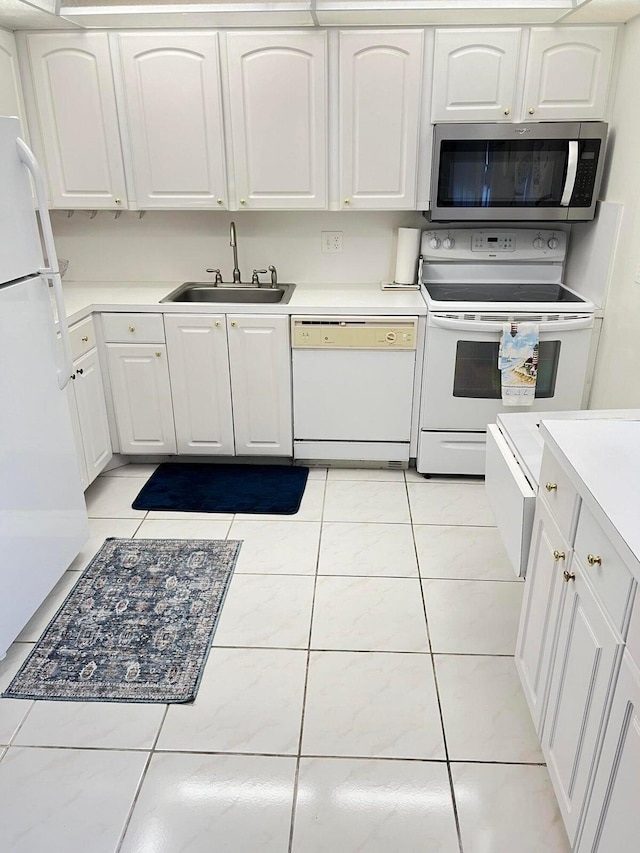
(482, 326)
(572, 170)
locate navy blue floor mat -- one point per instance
(199, 487)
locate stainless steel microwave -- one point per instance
(516, 172)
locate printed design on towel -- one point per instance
(518, 363)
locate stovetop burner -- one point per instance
(464, 292)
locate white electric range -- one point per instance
(474, 281)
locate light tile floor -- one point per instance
(360, 694)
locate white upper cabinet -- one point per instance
(174, 111)
(380, 95)
(10, 89)
(474, 74)
(76, 106)
(278, 108)
(568, 73)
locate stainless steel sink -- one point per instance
(205, 291)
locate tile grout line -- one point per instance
(143, 776)
(296, 780)
(437, 690)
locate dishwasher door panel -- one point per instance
(352, 395)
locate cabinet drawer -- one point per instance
(133, 328)
(559, 495)
(83, 337)
(608, 576)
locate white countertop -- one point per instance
(522, 433)
(603, 459)
(81, 298)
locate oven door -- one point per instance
(462, 383)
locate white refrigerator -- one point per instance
(43, 518)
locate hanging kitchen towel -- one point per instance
(518, 363)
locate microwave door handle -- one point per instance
(572, 170)
(483, 326)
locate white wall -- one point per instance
(617, 378)
(179, 246)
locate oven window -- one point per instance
(477, 375)
(502, 173)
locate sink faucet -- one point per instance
(234, 246)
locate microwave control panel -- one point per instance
(490, 244)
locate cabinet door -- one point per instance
(70, 394)
(278, 107)
(260, 361)
(613, 819)
(200, 383)
(568, 73)
(11, 103)
(474, 74)
(142, 397)
(75, 99)
(92, 413)
(584, 667)
(548, 557)
(380, 91)
(174, 108)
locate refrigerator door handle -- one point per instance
(50, 273)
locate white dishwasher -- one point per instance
(353, 381)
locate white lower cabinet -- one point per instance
(585, 661)
(573, 626)
(142, 397)
(200, 383)
(547, 560)
(88, 393)
(260, 363)
(613, 817)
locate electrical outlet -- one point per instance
(331, 242)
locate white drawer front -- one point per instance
(133, 328)
(83, 337)
(559, 495)
(608, 576)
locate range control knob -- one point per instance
(538, 243)
(553, 243)
(448, 243)
(391, 337)
(434, 242)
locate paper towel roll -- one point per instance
(407, 255)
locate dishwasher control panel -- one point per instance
(354, 333)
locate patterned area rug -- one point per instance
(136, 627)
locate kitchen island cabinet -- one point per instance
(582, 576)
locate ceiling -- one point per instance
(37, 14)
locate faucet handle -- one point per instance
(254, 277)
(218, 279)
(274, 275)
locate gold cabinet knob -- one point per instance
(593, 560)
(118, 201)
(531, 111)
(233, 324)
(347, 201)
(220, 201)
(132, 328)
(507, 111)
(568, 576)
(158, 353)
(243, 201)
(559, 555)
(551, 487)
(85, 338)
(217, 324)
